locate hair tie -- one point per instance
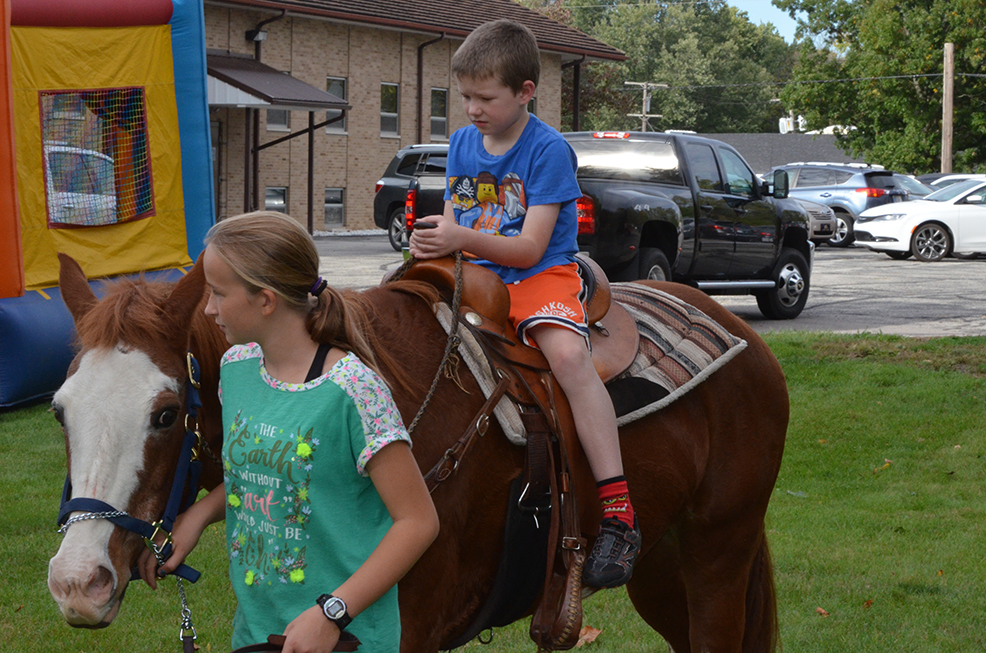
(319, 286)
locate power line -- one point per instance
(821, 81)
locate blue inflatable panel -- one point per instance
(36, 336)
(191, 94)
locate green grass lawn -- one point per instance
(878, 518)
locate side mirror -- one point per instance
(780, 184)
(974, 199)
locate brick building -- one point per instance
(379, 67)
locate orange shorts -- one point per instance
(555, 297)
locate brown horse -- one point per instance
(702, 470)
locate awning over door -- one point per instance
(241, 81)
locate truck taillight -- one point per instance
(872, 192)
(410, 208)
(585, 212)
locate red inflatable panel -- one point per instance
(90, 13)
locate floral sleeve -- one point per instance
(382, 423)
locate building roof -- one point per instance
(765, 151)
(454, 18)
(241, 81)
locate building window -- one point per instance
(338, 87)
(532, 106)
(97, 166)
(439, 113)
(335, 207)
(276, 199)
(389, 109)
(278, 120)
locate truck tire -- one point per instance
(787, 300)
(395, 228)
(654, 265)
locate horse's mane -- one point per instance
(365, 303)
(129, 312)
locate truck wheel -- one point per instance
(843, 236)
(787, 300)
(396, 231)
(654, 265)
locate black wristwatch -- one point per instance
(335, 610)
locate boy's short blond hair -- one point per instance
(500, 49)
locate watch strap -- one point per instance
(341, 621)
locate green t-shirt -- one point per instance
(301, 513)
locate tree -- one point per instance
(722, 71)
(894, 120)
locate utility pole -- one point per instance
(948, 97)
(645, 112)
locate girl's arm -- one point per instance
(188, 528)
(398, 480)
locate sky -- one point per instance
(762, 11)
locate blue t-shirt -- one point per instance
(491, 194)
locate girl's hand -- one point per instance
(188, 528)
(183, 540)
(311, 632)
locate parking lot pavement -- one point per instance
(856, 290)
(852, 290)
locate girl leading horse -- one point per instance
(704, 467)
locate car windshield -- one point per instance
(951, 192)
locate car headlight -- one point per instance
(882, 218)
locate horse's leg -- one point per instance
(716, 565)
(657, 591)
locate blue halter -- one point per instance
(186, 479)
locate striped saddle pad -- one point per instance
(680, 346)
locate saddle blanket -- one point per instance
(680, 346)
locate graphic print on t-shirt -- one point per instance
(268, 480)
(488, 205)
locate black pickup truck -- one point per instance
(672, 206)
(668, 207)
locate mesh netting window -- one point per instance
(96, 161)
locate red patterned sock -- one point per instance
(615, 499)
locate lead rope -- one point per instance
(453, 337)
(186, 631)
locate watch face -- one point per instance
(334, 608)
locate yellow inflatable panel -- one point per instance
(48, 60)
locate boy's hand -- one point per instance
(437, 241)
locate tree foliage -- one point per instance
(721, 69)
(895, 122)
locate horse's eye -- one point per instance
(59, 412)
(165, 418)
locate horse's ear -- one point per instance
(186, 295)
(76, 292)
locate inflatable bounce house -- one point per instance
(105, 155)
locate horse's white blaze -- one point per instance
(107, 405)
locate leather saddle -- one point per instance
(613, 332)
